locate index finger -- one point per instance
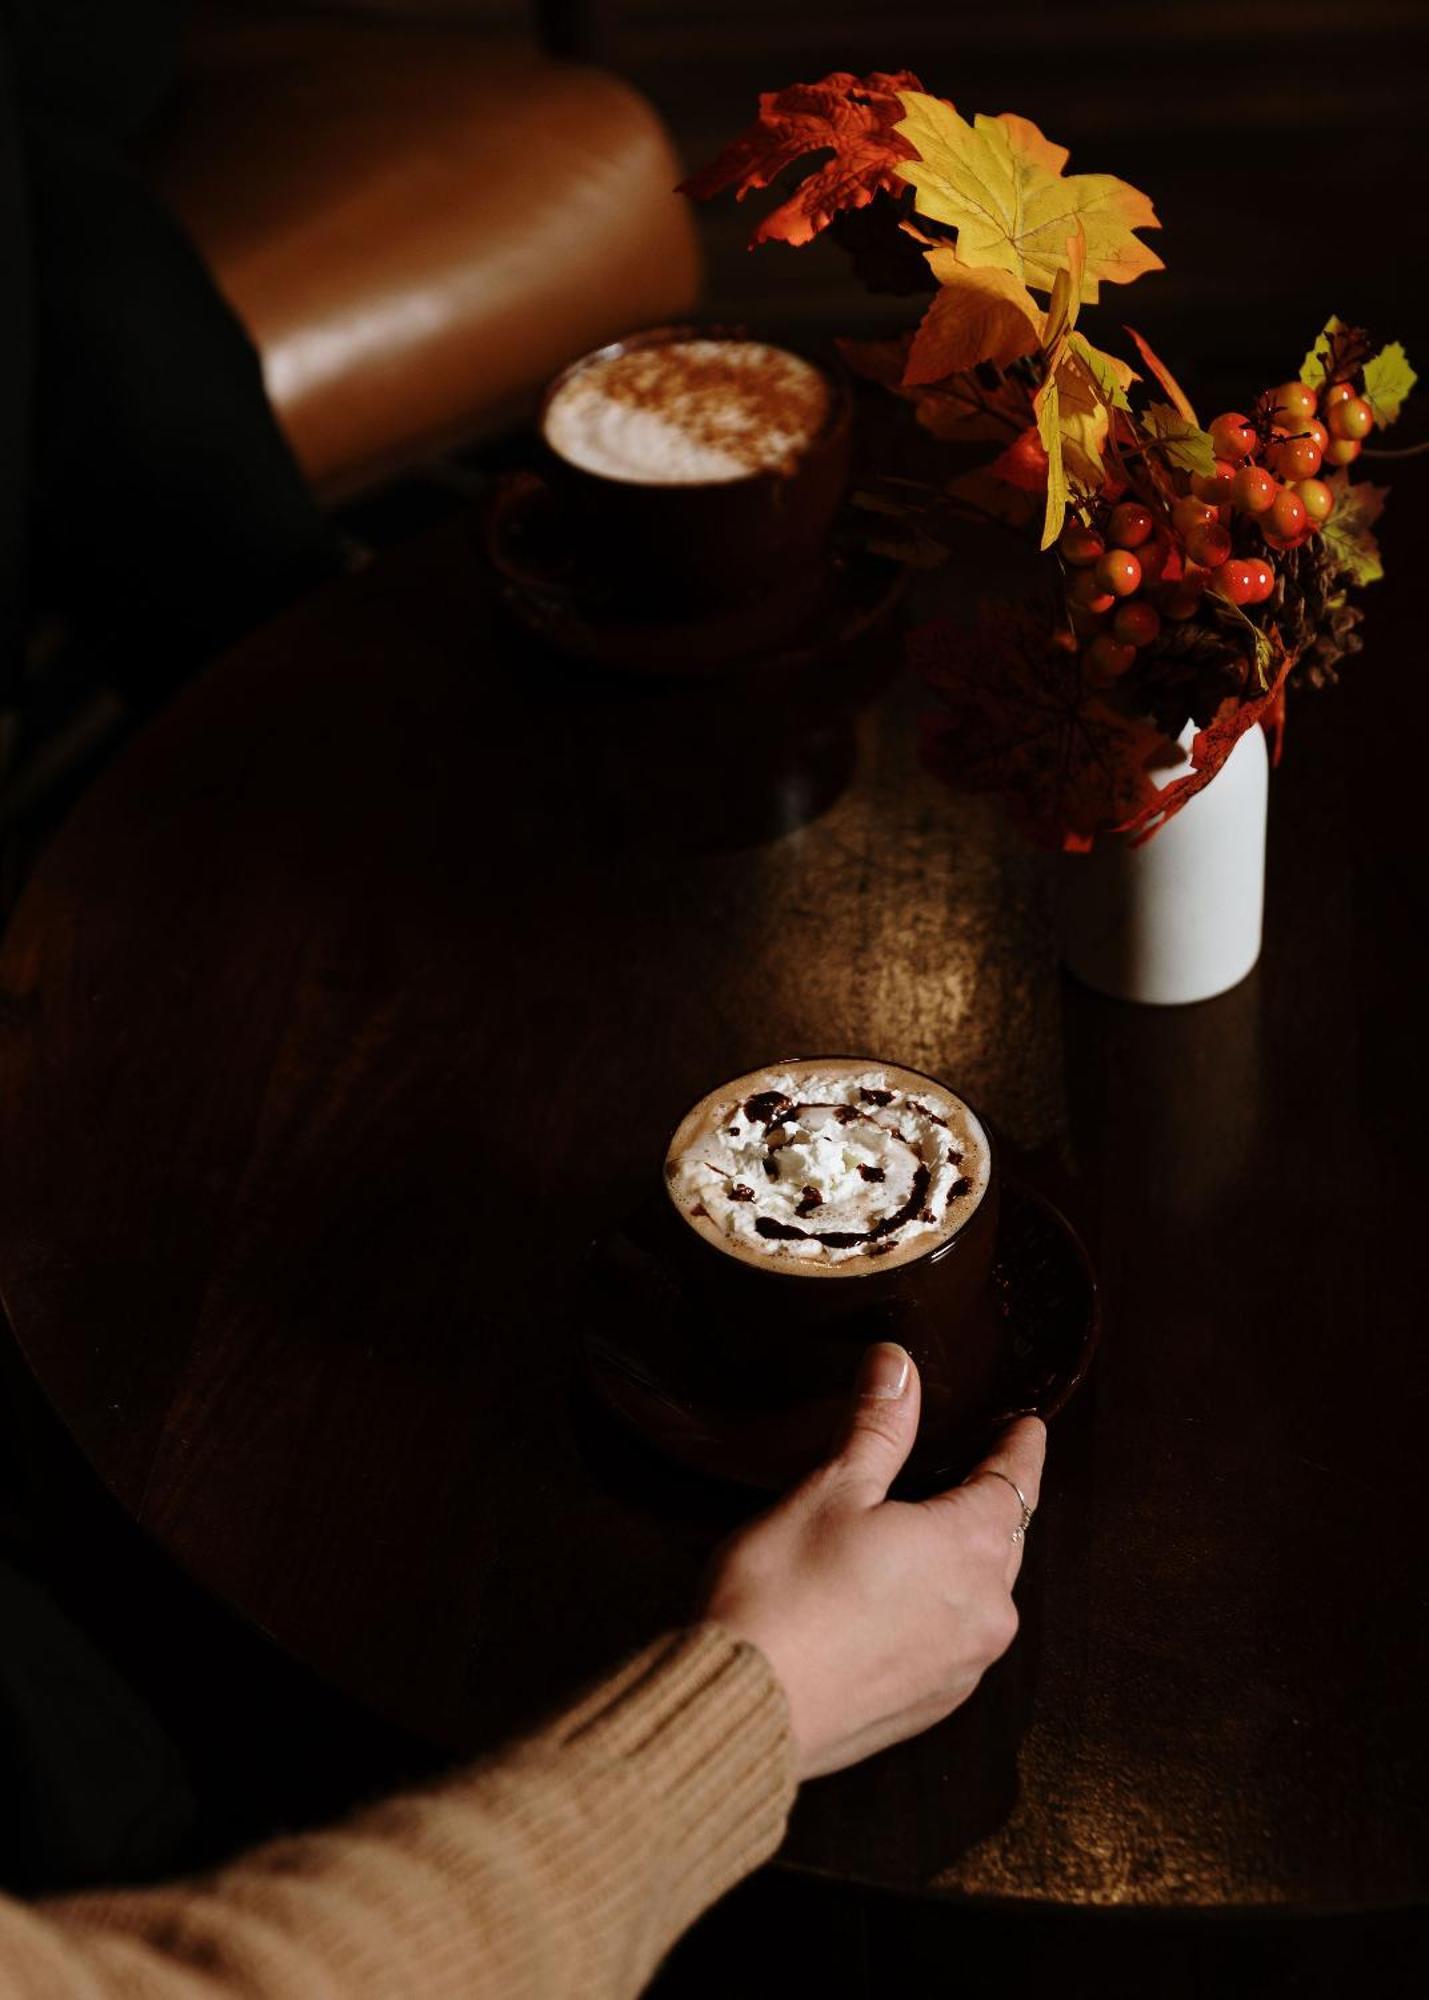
(1015, 1460)
(1018, 1455)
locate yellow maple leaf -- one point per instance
(1049, 428)
(998, 182)
(1081, 387)
(1057, 324)
(1085, 419)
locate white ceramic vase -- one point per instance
(1178, 918)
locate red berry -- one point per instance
(1153, 556)
(1119, 572)
(1080, 544)
(1316, 430)
(1086, 624)
(1086, 589)
(1338, 392)
(1254, 489)
(1262, 579)
(1235, 581)
(1293, 404)
(1188, 513)
(1294, 458)
(1135, 623)
(1286, 516)
(1214, 487)
(1351, 417)
(1233, 436)
(1319, 499)
(1130, 525)
(1209, 544)
(1343, 451)
(1107, 658)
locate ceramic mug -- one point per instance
(773, 1332)
(705, 544)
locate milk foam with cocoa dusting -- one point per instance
(829, 1167)
(688, 412)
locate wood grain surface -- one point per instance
(362, 993)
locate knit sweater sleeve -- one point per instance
(566, 1867)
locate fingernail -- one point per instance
(885, 1370)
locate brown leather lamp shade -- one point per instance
(417, 225)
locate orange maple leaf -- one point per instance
(961, 409)
(977, 314)
(1180, 401)
(850, 116)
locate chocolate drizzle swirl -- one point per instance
(767, 1107)
(845, 1239)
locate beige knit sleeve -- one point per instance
(566, 1867)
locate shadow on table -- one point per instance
(708, 760)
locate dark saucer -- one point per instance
(819, 613)
(646, 1364)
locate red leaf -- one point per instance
(1019, 720)
(1212, 745)
(1024, 463)
(850, 116)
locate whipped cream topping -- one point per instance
(688, 412)
(827, 1166)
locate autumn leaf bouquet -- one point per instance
(1195, 573)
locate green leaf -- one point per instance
(1181, 444)
(1109, 374)
(1312, 368)
(1348, 536)
(1388, 379)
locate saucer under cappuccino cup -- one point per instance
(700, 468)
(818, 1205)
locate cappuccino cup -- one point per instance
(700, 469)
(821, 1204)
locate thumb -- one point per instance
(881, 1425)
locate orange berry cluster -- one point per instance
(1124, 582)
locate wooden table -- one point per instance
(379, 915)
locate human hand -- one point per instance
(879, 1616)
